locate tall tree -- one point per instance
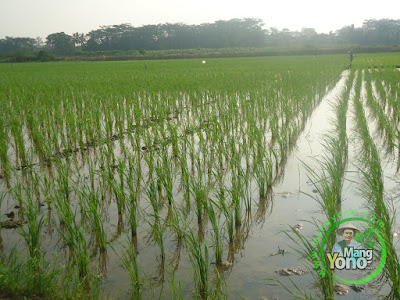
(60, 43)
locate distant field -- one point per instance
(139, 177)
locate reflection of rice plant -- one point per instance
(300, 294)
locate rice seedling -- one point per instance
(22, 279)
(176, 290)
(34, 226)
(81, 253)
(130, 263)
(199, 192)
(227, 211)
(132, 202)
(217, 233)
(157, 227)
(198, 252)
(73, 235)
(3, 149)
(91, 203)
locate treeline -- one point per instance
(246, 32)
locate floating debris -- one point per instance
(223, 263)
(226, 264)
(10, 224)
(284, 272)
(289, 194)
(357, 288)
(291, 271)
(266, 298)
(11, 215)
(298, 227)
(341, 289)
(282, 250)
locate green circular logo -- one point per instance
(382, 242)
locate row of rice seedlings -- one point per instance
(390, 92)
(5, 164)
(373, 191)
(42, 148)
(390, 77)
(385, 126)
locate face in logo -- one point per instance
(348, 235)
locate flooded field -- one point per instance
(190, 180)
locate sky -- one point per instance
(39, 18)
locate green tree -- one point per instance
(14, 44)
(60, 43)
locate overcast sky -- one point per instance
(39, 18)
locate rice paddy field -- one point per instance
(178, 179)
